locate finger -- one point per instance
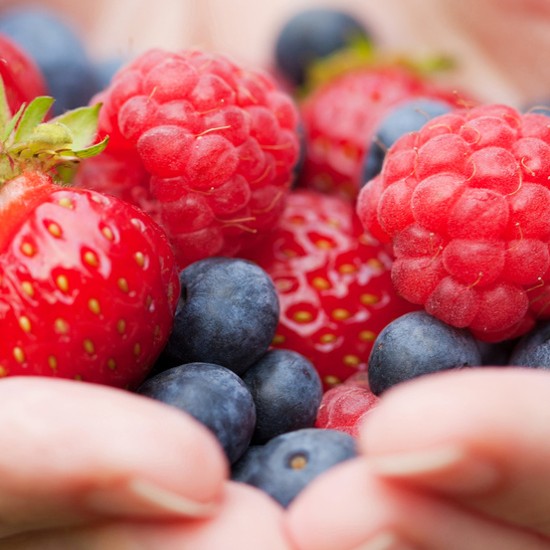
(479, 436)
(247, 520)
(349, 508)
(75, 452)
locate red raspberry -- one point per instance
(341, 116)
(217, 144)
(465, 202)
(345, 406)
(333, 283)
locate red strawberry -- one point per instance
(465, 202)
(217, 144)
(22, 78)
(333, 282)
(340, 118)
(88, 283)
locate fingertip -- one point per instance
(78, 449)
(337, 511)
(453, 405)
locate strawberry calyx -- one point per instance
(30, 143)
(362, 53)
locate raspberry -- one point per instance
(465, 203)
(345, 406)
(217, 144)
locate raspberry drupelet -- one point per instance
(465, 204)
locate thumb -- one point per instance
(76, 452)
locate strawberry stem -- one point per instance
(30, 142)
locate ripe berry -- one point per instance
(340, 118)
(345, 406)
(88, 283)
(417, 344)
(21, 77)
(533, 349)
(286, 464)
(408, 116)
(54, 45)
(313, 34)
(217, 144)
(465, 202)
(227, 314)
(333, 283)
(213, 395)
(287, 392)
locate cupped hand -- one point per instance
(90, 467)
(457, 460)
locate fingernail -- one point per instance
(146, 499)
(448, 468)
(385, 541)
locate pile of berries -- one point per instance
(268, 260)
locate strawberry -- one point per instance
(465, 204)
(333, 283)
(217, 144)
(341, 115)
(23, 80)
(88, 283)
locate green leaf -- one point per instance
(5, 113)
(33, 115)
(82, 122)
(9, 127)
(93, 150)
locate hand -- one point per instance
(90, 467)
(457, 460)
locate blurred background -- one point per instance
(500, 47)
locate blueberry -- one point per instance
(496, 353)
(227, 314)
(312, 34)
(406, 117)
(540, 106)
(289, 462)
(287, 391)
(212, 394)
(533, 349)
(245, 467)
(54, 45)
(106, 69)
(416, 344)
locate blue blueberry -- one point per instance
(418, 344)
(496, 353)
(246, 466)
(106, 69)
(212, 394)
(227, 314)
(533, 349)
(540, 106)
(406, 117)
(289, 462)
(54, 45)
(312, 34)
(287, 391)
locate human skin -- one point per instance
(487, 429)
(457, 460)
